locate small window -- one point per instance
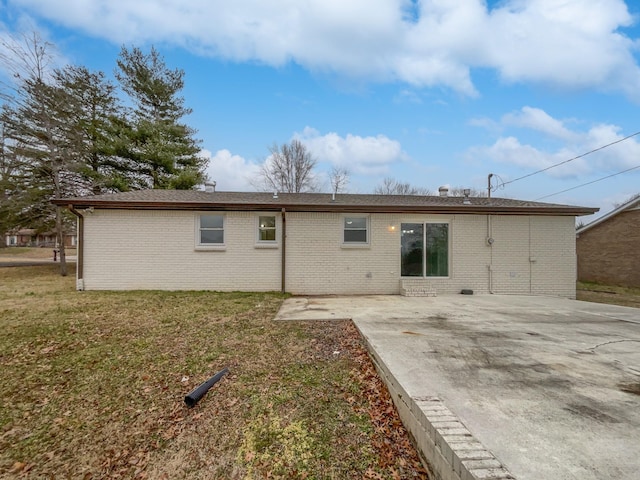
(267, 228)
(211, 230)
(355, 230)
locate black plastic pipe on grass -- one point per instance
(197, 393)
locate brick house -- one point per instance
(323, 244)
(608, 248)
(29, 237)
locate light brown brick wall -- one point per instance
(135, 250)
(610, 252)
(126, 250)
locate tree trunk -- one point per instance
(60, 237)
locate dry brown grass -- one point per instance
(30, 253)
(93, 387)
(611, 294)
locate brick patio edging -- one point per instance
(446, 447)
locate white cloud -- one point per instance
(622, 155)
(231, 173)
(572, 143)
(486, 123)
(541, 121)
(360, 155)
(509, 150)
(571, 44)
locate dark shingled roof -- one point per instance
(316, 202)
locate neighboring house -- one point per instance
(322, 244)
(21, 238)
(609, 248)
(28, 237)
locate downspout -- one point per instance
(490, 243)
(531, 261)
(79, 249)
(284, 250)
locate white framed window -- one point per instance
(210, 231)
(355, 231)
(267, 229)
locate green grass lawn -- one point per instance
(595, 292)
(93, 387)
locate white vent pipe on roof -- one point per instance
(444, 191)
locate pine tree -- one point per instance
(162, 150)
(96, 113)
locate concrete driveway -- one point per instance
(506, 386)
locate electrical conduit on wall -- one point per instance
(490, 243)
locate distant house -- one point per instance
(29, 237)
(322, 244)
(608, 248)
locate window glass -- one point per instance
(411, 249)
(211, 236)
(267, 229)
(355, 236)
(211, 221)
(355, 222)
(437, 235)
(211, 229)
(355, 230)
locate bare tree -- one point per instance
(23, 57)
(288, 169)
(339, 178)
(632, 197)
(391, 186)
(38, 131)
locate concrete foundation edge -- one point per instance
(445, 445)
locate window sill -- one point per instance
(420, 277)
(266, 245)
(210, 248)
(357, 246)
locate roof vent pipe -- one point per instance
(275, 194)
(444, 191)
(210, 187)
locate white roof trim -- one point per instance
(632, 204)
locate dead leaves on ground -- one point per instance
(397, 455)
(98, 380)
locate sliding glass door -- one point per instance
(425, 250)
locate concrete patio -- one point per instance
(505, 386)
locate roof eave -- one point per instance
(630, 205)
(80, 203)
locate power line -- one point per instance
(589, 183)
(569, 160)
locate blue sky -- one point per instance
(429, 92)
